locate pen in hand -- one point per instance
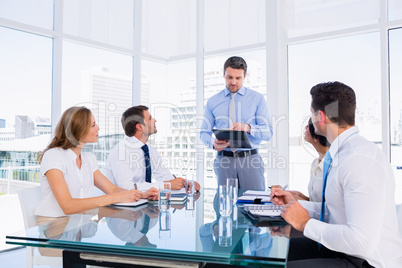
(282, 188)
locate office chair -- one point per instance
(29, 199)
(399, 215)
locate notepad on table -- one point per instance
(251, 199)
(132, 204)
(257, 193)
(178, 197)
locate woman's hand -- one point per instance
(129, 196)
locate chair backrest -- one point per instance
(399, 212)
(29, 199)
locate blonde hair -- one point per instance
(73, 126)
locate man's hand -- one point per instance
(280, 230)
(296, 215)
(219, 145)
(177, 183)
(241, 126)
(197, 186)
(280, 197)
(151, 194)
(151, 211)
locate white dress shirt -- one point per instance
(80, 182)
(315, 183)
(360, 201)
(125, 166)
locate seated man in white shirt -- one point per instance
(360, 227)
(126, 163)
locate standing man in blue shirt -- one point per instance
(238, 108)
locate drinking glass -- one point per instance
(234, 183)
(164, 196)
(225, 231)
(164, 225)
(190, 189)
(225, 200)
(190, 206)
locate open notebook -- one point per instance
(132, 204)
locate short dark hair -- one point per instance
(131, 117)
(337, 100)
(235, 62)
(321, 139)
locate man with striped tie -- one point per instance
(355, 225)
(237, 108)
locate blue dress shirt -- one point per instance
(251, 108)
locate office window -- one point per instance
(106, 21)
(305, 17)
(233, 23)
(394, 9)
(349, 60)
(25, 99)
(170, 90)
(168, 27)
(37, 13)
(100, 80)
(395, 52)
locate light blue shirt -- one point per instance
(251, 108)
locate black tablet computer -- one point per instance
(238, 139)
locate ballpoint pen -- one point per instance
(282, 188)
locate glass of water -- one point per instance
(225, 231)
(225, 200)
(164, 225)
(190, 189)
(164, 196)
(234, 183)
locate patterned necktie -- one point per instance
(147, 163)
(327, 164)
(232, 113)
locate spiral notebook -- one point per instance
(264, 215)
(264, 210)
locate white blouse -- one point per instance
(80, 182)
(315, 184)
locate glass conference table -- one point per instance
(189, 234)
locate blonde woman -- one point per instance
(67, 174)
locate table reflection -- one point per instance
(243, 238)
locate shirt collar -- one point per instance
(241, 91)
(134, 142)
(338, 142)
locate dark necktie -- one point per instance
(145, 227)
(148, 171)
